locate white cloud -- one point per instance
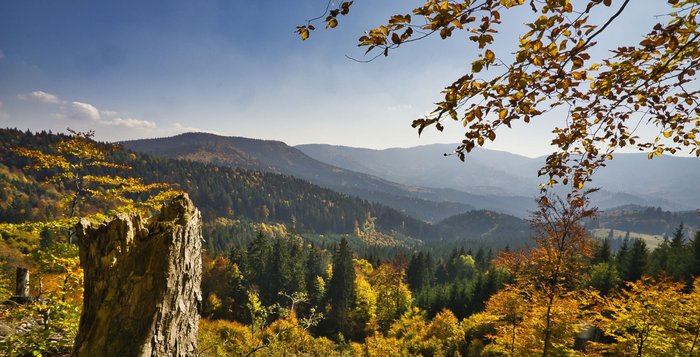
(85, 111)
(108, 113)
(2, 55)
(130, 123)
(41, 96)
(88, 111)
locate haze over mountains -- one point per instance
(668, 182)
(422, 182)
(430, 204)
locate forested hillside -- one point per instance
(239, 194)
(430, 203)
(506, 174)
(647, 220)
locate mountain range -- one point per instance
(667, 182)
(247, 179)
(423, 182)
(429, 204)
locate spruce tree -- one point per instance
(341, 289)
(314, 268)
(278, 274)
(258, 257)
(636, 262)
(602, 253)
(695, 271)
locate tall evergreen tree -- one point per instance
(680, 256)
(622, 253)
(695, 270)
(636, 262)
(278, 274)
(296, 259)
(341, 289)
(314, 268)
(258, 257)
(678, 239)
(602, 253)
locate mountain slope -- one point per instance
(666, 181)
(218, 192)
(484, 172)
(486, 226)
(273, 156)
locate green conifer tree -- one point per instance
(341, 289)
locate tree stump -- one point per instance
(22, 282)
(142, 284)
(21, 287)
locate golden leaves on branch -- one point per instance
(605, 102)
(331, 18)
(77, 166)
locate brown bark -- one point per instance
(142, 284)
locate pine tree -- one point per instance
(680, 256)
(314, 269)
(695, 271)
(297, 282)
(278, 274)
(636, 262)
(258, 257)
(603, 253)
(341, 289)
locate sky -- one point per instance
(138, 69)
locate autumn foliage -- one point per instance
(551, 69)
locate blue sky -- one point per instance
(135, 69)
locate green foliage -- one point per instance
(341, 289)
(605, 278)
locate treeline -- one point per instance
(647, 220)
(677, 258)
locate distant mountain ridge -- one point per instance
(430, 204)
(669, 182)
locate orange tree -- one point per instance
(548, 282)
(605, 99)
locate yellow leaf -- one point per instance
(331, 24)
(489, 56)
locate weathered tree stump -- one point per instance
(142, 284)
(22, 282)
(21, 287)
